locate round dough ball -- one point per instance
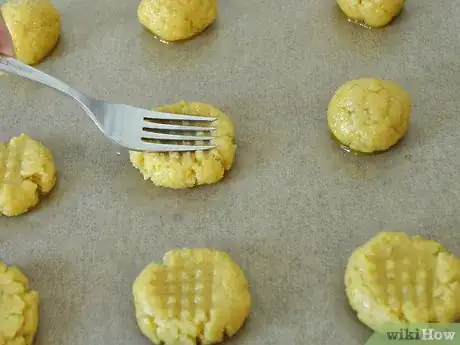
(190, 169)
(197, 296)
(35, 27)
(174, 20)
(18, 308)
(373, 13)
(369, 115)
(397, 279)
(26, 171)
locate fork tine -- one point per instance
(156, 115)
(164, 136)
(155, 147)
(164, 126)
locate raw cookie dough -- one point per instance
(196, 296)
(398, 279)
(174, 20)
(26, 171)
(369, 115)
(373, 13)
(189, 169)
(18, 308)
(35, 27)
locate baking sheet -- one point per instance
(293, 207)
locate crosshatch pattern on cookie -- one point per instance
(184, 290)
(196, 296)
(404, 280)
(395, 278)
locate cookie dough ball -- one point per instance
(369, 115)
(189, 169)
(18, 308)
(197, 296)
(373, 13)
(26, 172)
(398, 279)
(174, 20)
(35, 27)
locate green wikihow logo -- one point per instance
(417, 334)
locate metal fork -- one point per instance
(128, 126)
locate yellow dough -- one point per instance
(26, 171)
(197, 296)
(35, 27)
(398, 279)
(373, 13)
(369, 115)
(189, 169)
(18, 308)
(174, 20)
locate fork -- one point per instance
(128, 126)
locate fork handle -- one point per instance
(14, 66)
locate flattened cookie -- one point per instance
(174, 20)
(26, 171)
(195, 296)
(18, 308)
(35, 27)
(373, 13)
(397, 279)
(369, 115)
(190, 169)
